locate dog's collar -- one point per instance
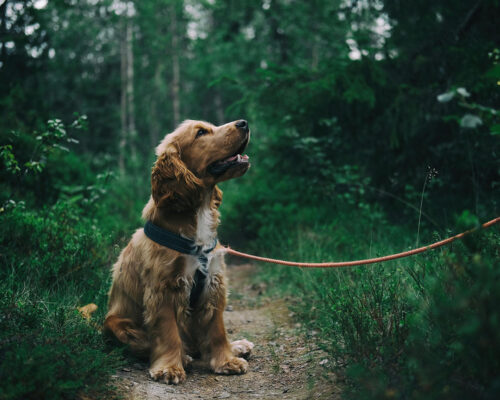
(186, 246)
(178, 243)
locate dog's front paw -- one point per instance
(171, 374)
(233, 365)
(242, 348)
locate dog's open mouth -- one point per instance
(219, 167)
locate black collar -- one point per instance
(185, 246)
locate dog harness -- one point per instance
(186, 246)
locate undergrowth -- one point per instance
(54, 260)
(59, 219)
(426, 327)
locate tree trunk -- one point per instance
(175, 66)
(3, 31)
(154, 125)
(131, 130)
(127, 109)
(123, 98)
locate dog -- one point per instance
(169, 286)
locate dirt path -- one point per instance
(283, 364)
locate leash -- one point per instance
(361, 262)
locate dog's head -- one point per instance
(196, 156)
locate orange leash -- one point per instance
(361, 262)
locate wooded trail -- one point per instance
(283, 365)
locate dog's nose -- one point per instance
(242, 124)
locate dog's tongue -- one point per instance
(237, 157)
(221, 166)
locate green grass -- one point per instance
(55, 253)
(422, 328)
(53, 261)
(426, 327)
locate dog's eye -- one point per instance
(201, 132)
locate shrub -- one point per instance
(425, 327)
(55, 254)
(48, 351)
(54, 260)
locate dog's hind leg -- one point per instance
(126, 331)
(124, 321)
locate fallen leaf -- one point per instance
(87, 310)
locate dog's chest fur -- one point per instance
(207, 219)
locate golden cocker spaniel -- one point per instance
(169, 287)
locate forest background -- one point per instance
(375, 128)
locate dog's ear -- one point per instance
(216, 199)
(173, 185)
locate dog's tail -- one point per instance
(126, 331)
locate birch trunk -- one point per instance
(175, 66)
(131, 130)
(127, 109)
(123, 99)
(154, 126)
(3, 30)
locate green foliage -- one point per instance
(51, 245)
(9, 159)
(420, 328)
(453, 345)
(30, 159)
(48, 350)
(483, 114)
(55, 258)
(348, 114)
(53, 261)
(451, 332)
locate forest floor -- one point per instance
(284, 364)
